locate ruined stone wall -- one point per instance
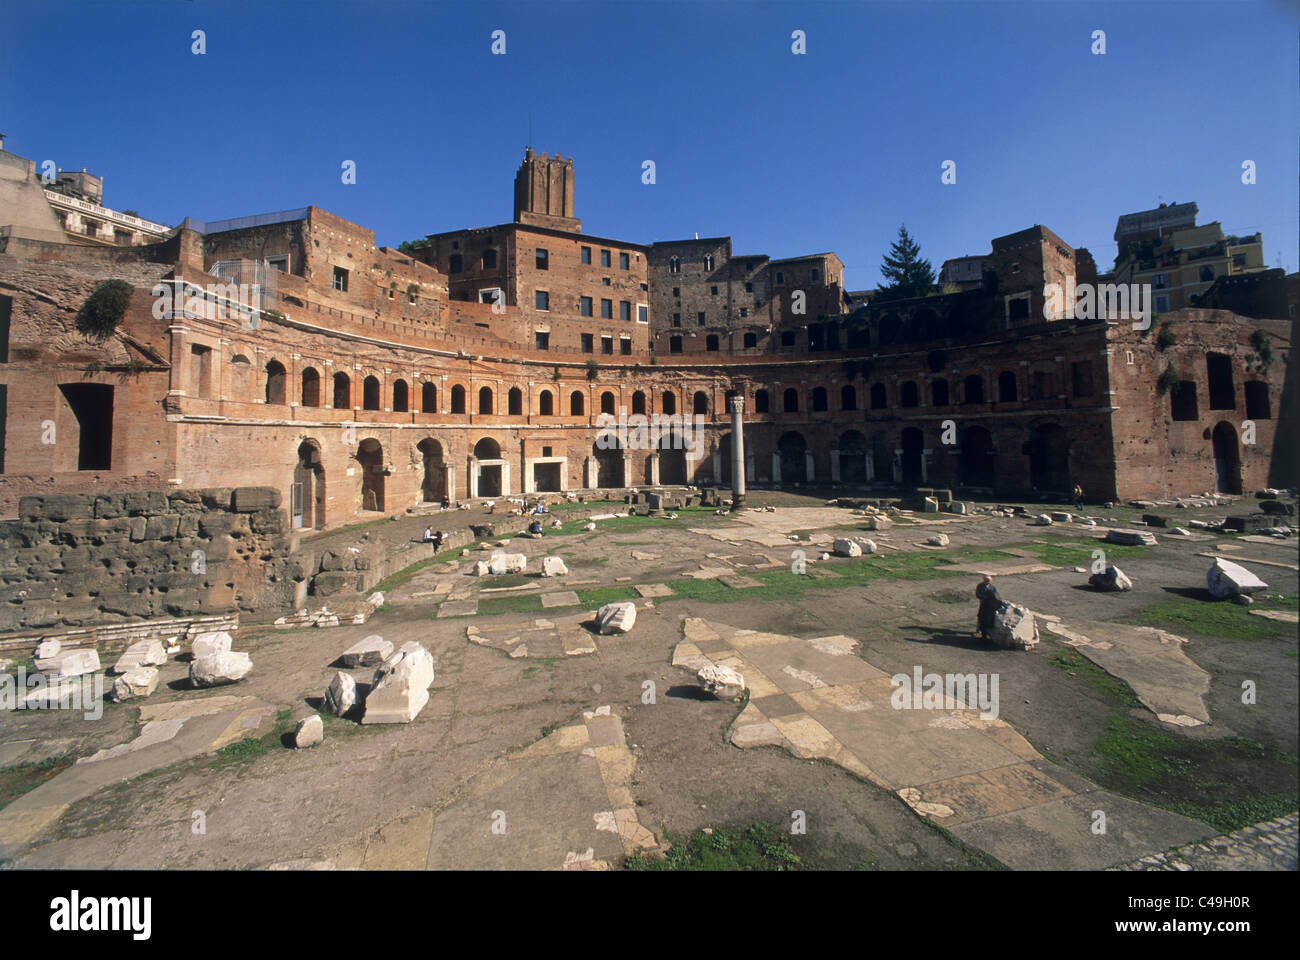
(78, 559)
(1157, 455)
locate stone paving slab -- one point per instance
(1151, 661)
(560, 598)
(457, 608)
(961, 767)
(652, 590)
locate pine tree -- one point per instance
(907, 274)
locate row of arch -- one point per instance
(312, 395)
(547, 403)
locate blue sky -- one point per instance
(787, 154)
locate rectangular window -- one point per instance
(701, 317)
(588, 343)
(780, 278)
(744, 311)
(541, 340)
(1081, 375)
(456, 263)
(607, 345)
(751, 340)
(677, 291)
(543, 259)
(625, 311)
(584, 306)
(1162, 303)
(607, 309)
(6, 311)
(543, 300)
(1160, 281)
(816, 275)
(278, 263)
(749, 288)
(642, 313)
(604, 281)
(675, 345)
(340, 279)
(586, 255)
(625, 345)
(623, 261)
(604, 258)
(713, 291)
(677, 319)
(489, 259)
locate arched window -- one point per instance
(240, 377)
(342, 391)
(701, 404)
(370, 393)
(310, 388)
(546, 404)
(907, 394)
(607, 402)
(576, 403)
(429, 397)
(638, 402)
(275, 382)
(848, 397)
(485, 400)
(668, 403)
(878, 401)
(939, 392)
(791, 400)
(1006, 387)
(458, 399)
(761, 402)
(974, 388)
(515, 402)
(819, 403)
(401, 396)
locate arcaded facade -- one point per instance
(290, 351)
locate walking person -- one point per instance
(1078, 498)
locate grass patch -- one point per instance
(758, 847)
(1221, 619)
(1078, 553)
(599, 596)
(1070, 660)
(243, 750)
(404, 575)
(1227, 783)
(19, 778)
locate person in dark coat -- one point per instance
(990, 604)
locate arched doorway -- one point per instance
(1227, 459)
(489, 473)
(307, 495)
(371, 457)
(913, 443)
(791, 449)
(433, 486)
(1049, 459)
(853, 457)
(976, 468)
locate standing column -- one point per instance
(737, 452)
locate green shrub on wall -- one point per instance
(105, 308)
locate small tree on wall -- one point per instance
(104, 308)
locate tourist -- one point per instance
(446, 501)
(990, 605)
(540, 508)
(535, 528)
(437, 541)
(1078, 498)
(428, 534)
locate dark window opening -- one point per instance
(1218, 366)
(543, 259)
(515, 402)
(1006, 387)
(340, 279)
(275, 382)
(751, 340)
(908, 395)
(761, 403)
(711, 342)
(1257, 406)
(791, 399)
(1182, 401)
(485, 400)
(458, 399)
(92, 407)
(370, 394)
(973, 388)
(939, 393)
(675, 345)
(878, 396)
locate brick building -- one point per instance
(289, 351)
